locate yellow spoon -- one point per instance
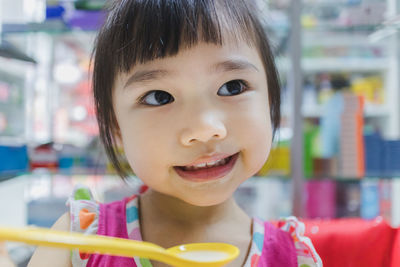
(196, 254)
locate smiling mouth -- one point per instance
(207, 171)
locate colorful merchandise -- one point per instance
(391, 158)
(369, 198)
(385, 199)
(351, 159)
(321, 199)
(382, 157)
(374, 154)
(371, 88)
(278, 162)
(14, 160)
(348, 199)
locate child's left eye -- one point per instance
(234, 87)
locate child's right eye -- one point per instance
(156, 98)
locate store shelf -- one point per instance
(8, 176)
(333, 178)
(331, 64)
(341, 3)
(50, 26)
(370, 111)
(337, 64)
(15, 67)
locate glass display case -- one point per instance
(12, 108)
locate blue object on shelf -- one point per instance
(374, 155)
(391, 159)
(382, 157)
(13, 159)
(86, 20)
(369, 199)
(353, 2)
(54, 12)
(66, 162)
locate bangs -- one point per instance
(141, 31)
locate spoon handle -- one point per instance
(85, 243)
(100, 244)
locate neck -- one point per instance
(168, 221)
(175, 210)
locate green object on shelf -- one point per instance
(90, 4)
(310, 135)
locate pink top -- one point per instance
(271, 246)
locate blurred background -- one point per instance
(336, 155)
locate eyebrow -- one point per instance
(146, 76)
(234, 65)
(224, 66)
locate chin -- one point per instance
(206, 201)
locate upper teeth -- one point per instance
(208, 164)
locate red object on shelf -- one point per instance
(355, 242)
(44, 156)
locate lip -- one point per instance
(207, 159)
(208, 174)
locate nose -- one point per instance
(203, 128)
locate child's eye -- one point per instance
(156, 98)
(234, 87)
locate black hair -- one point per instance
(138, 31)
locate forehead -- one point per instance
(202, 58)
(231, 44)
(206, 53)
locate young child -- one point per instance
(190, 91)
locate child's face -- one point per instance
(201, 109)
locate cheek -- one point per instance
(144, 140)
(255, 131)
(260, 146)
(134, 148)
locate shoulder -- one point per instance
(45, 256)
(63, 223)
(118, 219)
(83, 218)
(305, 251)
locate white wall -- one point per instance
(22, 11)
